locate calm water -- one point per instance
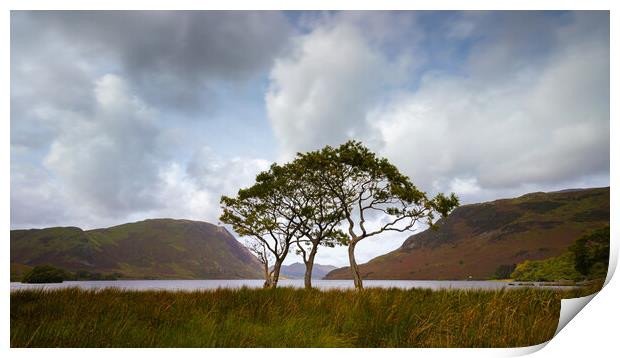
(191, 285)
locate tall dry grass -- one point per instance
(284, 317)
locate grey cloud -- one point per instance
(91, 149)
(108, 161)
(386, 29)
(34, 197)
(507, 41)
(172, 58)
(116, 164)
(47, 76)
(543, 125)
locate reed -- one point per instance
(285, 317)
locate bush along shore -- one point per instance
(51, 274)
(286, 317)
(585, 260)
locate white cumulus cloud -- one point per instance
(321, 91)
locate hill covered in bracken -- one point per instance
(474, 240)
(157, 248)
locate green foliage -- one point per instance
(587, 258)
(362, 183)
(553, 269)
(46, 274)
(284, 317)
(259, 210)
(445, 204)
(592, 253)
(306, 200)
(504, 271)
(51, 274)
(268, 212)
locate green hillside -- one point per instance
(475, 240)
(158, 248)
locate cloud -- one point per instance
(116, 164)
(107, 160)
(523, 106)
(176, 59)
(98, 130)
(46, 76)
(543, 124)
(193, 191)
(320, 92)
(35, 197)
(209, 171)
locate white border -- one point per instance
(592, 332)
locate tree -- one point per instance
(552, 269)
(365, 186)
(46, 274)
(504, 271)
(264, 256)
(264, 213)
(592, 253)
(319, 215)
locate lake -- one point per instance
(191, 285)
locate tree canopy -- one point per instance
(320, 215)
(364, 187)
(592, 253)
(333, 196)
(46, 274)
(266, 212)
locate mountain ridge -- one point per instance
(152, 248)
(297, 270)
(475, 239)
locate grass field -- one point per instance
(285, 317)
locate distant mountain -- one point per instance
(297, 270)
(157, 248)
(474, 240)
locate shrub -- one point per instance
(46, 274)
(592, 253)
(504, 271)
(553, 269)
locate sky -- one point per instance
(121, 116)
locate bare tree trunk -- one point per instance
(309, 264)
(276, 273)
(355, 271)
(267, 275)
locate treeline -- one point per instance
(51, 274)
(329, 197)
(586, 259)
